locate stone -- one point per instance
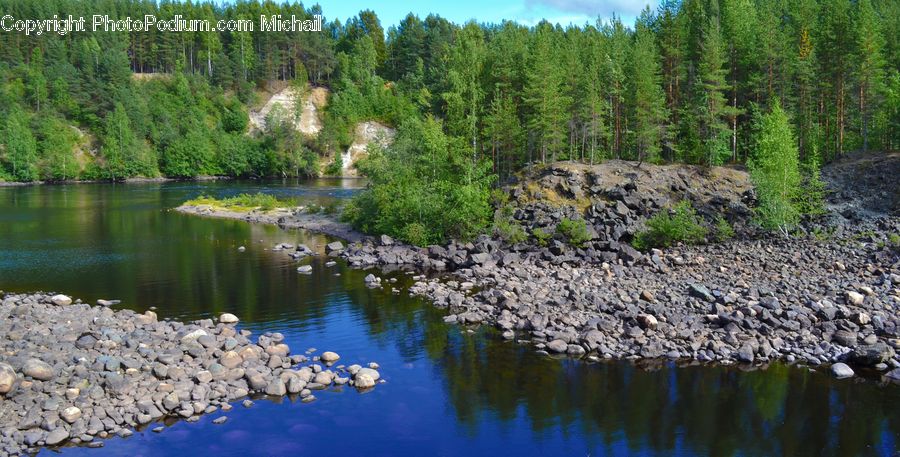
(334, 246)
(701, 292)
(386, 240)
(305, 269)
(71, 414)
(558, 346)
(8, 378)
(871, 355)
(228, 318)
(192, 336)
(841, 370)
(38, 369)
(61, 300)
(647, 321)
(363, 381)
(276, 387)
(745, 354)
(58, 435)
(231, 359)
(220, 420)
(324, 378)
(647, 296)
(329, 357)
(855, 298)
(371, 372)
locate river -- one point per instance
(449, 390)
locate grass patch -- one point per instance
(680, 224)
(243, 202)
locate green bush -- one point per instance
(424, 188)
(574, 231)
(243, 202)
(724, 230)
(680, 224)
(541, 236)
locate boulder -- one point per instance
(334, 246)
(8, 378)
(228, 318)
(841, 370)
(329, 357)
(871, 355)
(61, 300)
(38, 369)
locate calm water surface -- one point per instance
(448, 392)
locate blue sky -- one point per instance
(527, 12)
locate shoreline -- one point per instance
(134, 180)
(746, 301)
(102, 372)
(287, 218)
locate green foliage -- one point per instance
(21, 147)
(775, 172)
(724, 230)
(680, 224)
(541, 236)
(673, 87)
(574, 231)
(243, 202)
(423, 189)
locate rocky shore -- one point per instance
(75, 373)
(819, 298)
(287, 218)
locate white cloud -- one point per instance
(593, 8)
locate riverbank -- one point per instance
(831, 296)
(74, 373)
(135, 180)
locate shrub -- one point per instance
(680, 224)
(243, 202)
(425, 188)
(724, 230)
(574, 231)
(541, 236)
(416, 234)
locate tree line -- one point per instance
(682, 84)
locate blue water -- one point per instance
(449, 391)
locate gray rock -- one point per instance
(841, 370)
(276, 387)
(701, 292)
(8, 378)
(372, 373)
(558, 346)
(58, 435)
(871, 355)
(61, 300)
(334, 247)
(305, 269)
(38, 369)
(228, 318)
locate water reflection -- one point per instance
(448, 392)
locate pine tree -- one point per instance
(465, 95)
(545, 97)
(647, 96)
(869, 63)
(710, 93)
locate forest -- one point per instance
(684, 83)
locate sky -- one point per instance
(527, 12)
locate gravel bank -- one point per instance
(74, 373)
